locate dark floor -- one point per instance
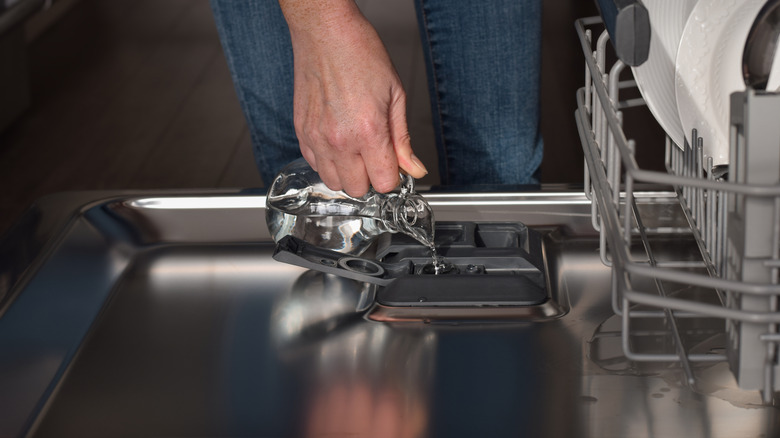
(135, 94)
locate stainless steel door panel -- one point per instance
(167, 317)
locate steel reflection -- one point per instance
(652, 398)
(360, 378)
(176, 271)
(199, 202)
(316, 305)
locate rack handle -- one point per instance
(628, 24)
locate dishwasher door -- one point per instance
(165, 315)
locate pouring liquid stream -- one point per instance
(440, 265)
(421, 230)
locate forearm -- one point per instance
(319, 17)
(330, 35)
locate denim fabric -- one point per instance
(257, 46)
(483, 65)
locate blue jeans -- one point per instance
(483, 63)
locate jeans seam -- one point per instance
(428, 47)
(240, 93)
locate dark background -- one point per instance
(135, 94)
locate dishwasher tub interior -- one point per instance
(144, 315)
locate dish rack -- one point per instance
(733, 218)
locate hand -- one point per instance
(350, 106)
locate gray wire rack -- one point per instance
(728, 294)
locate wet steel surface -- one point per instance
(167, 317)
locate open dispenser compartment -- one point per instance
(496, 271)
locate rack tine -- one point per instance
(712, 209)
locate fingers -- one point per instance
(351, 157)
(329, 175)
(352, 175)
(342, 169)
(379, 158)
(338, 170)
(399, 135)
(382, 169)
(369, 156)
(308, 155)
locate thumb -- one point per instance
(399, 134)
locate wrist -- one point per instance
(319, 18)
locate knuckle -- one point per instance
(300, 125)
(354, 183)
(335, 137)
(405, 137)
(305, 133)
(400, 98)
(369, 130)
(331, 182)
(356, 190)
(384, 186)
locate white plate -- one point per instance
(709, 69)
(773, 83)
(655, 77)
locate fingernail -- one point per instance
(416, 161)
